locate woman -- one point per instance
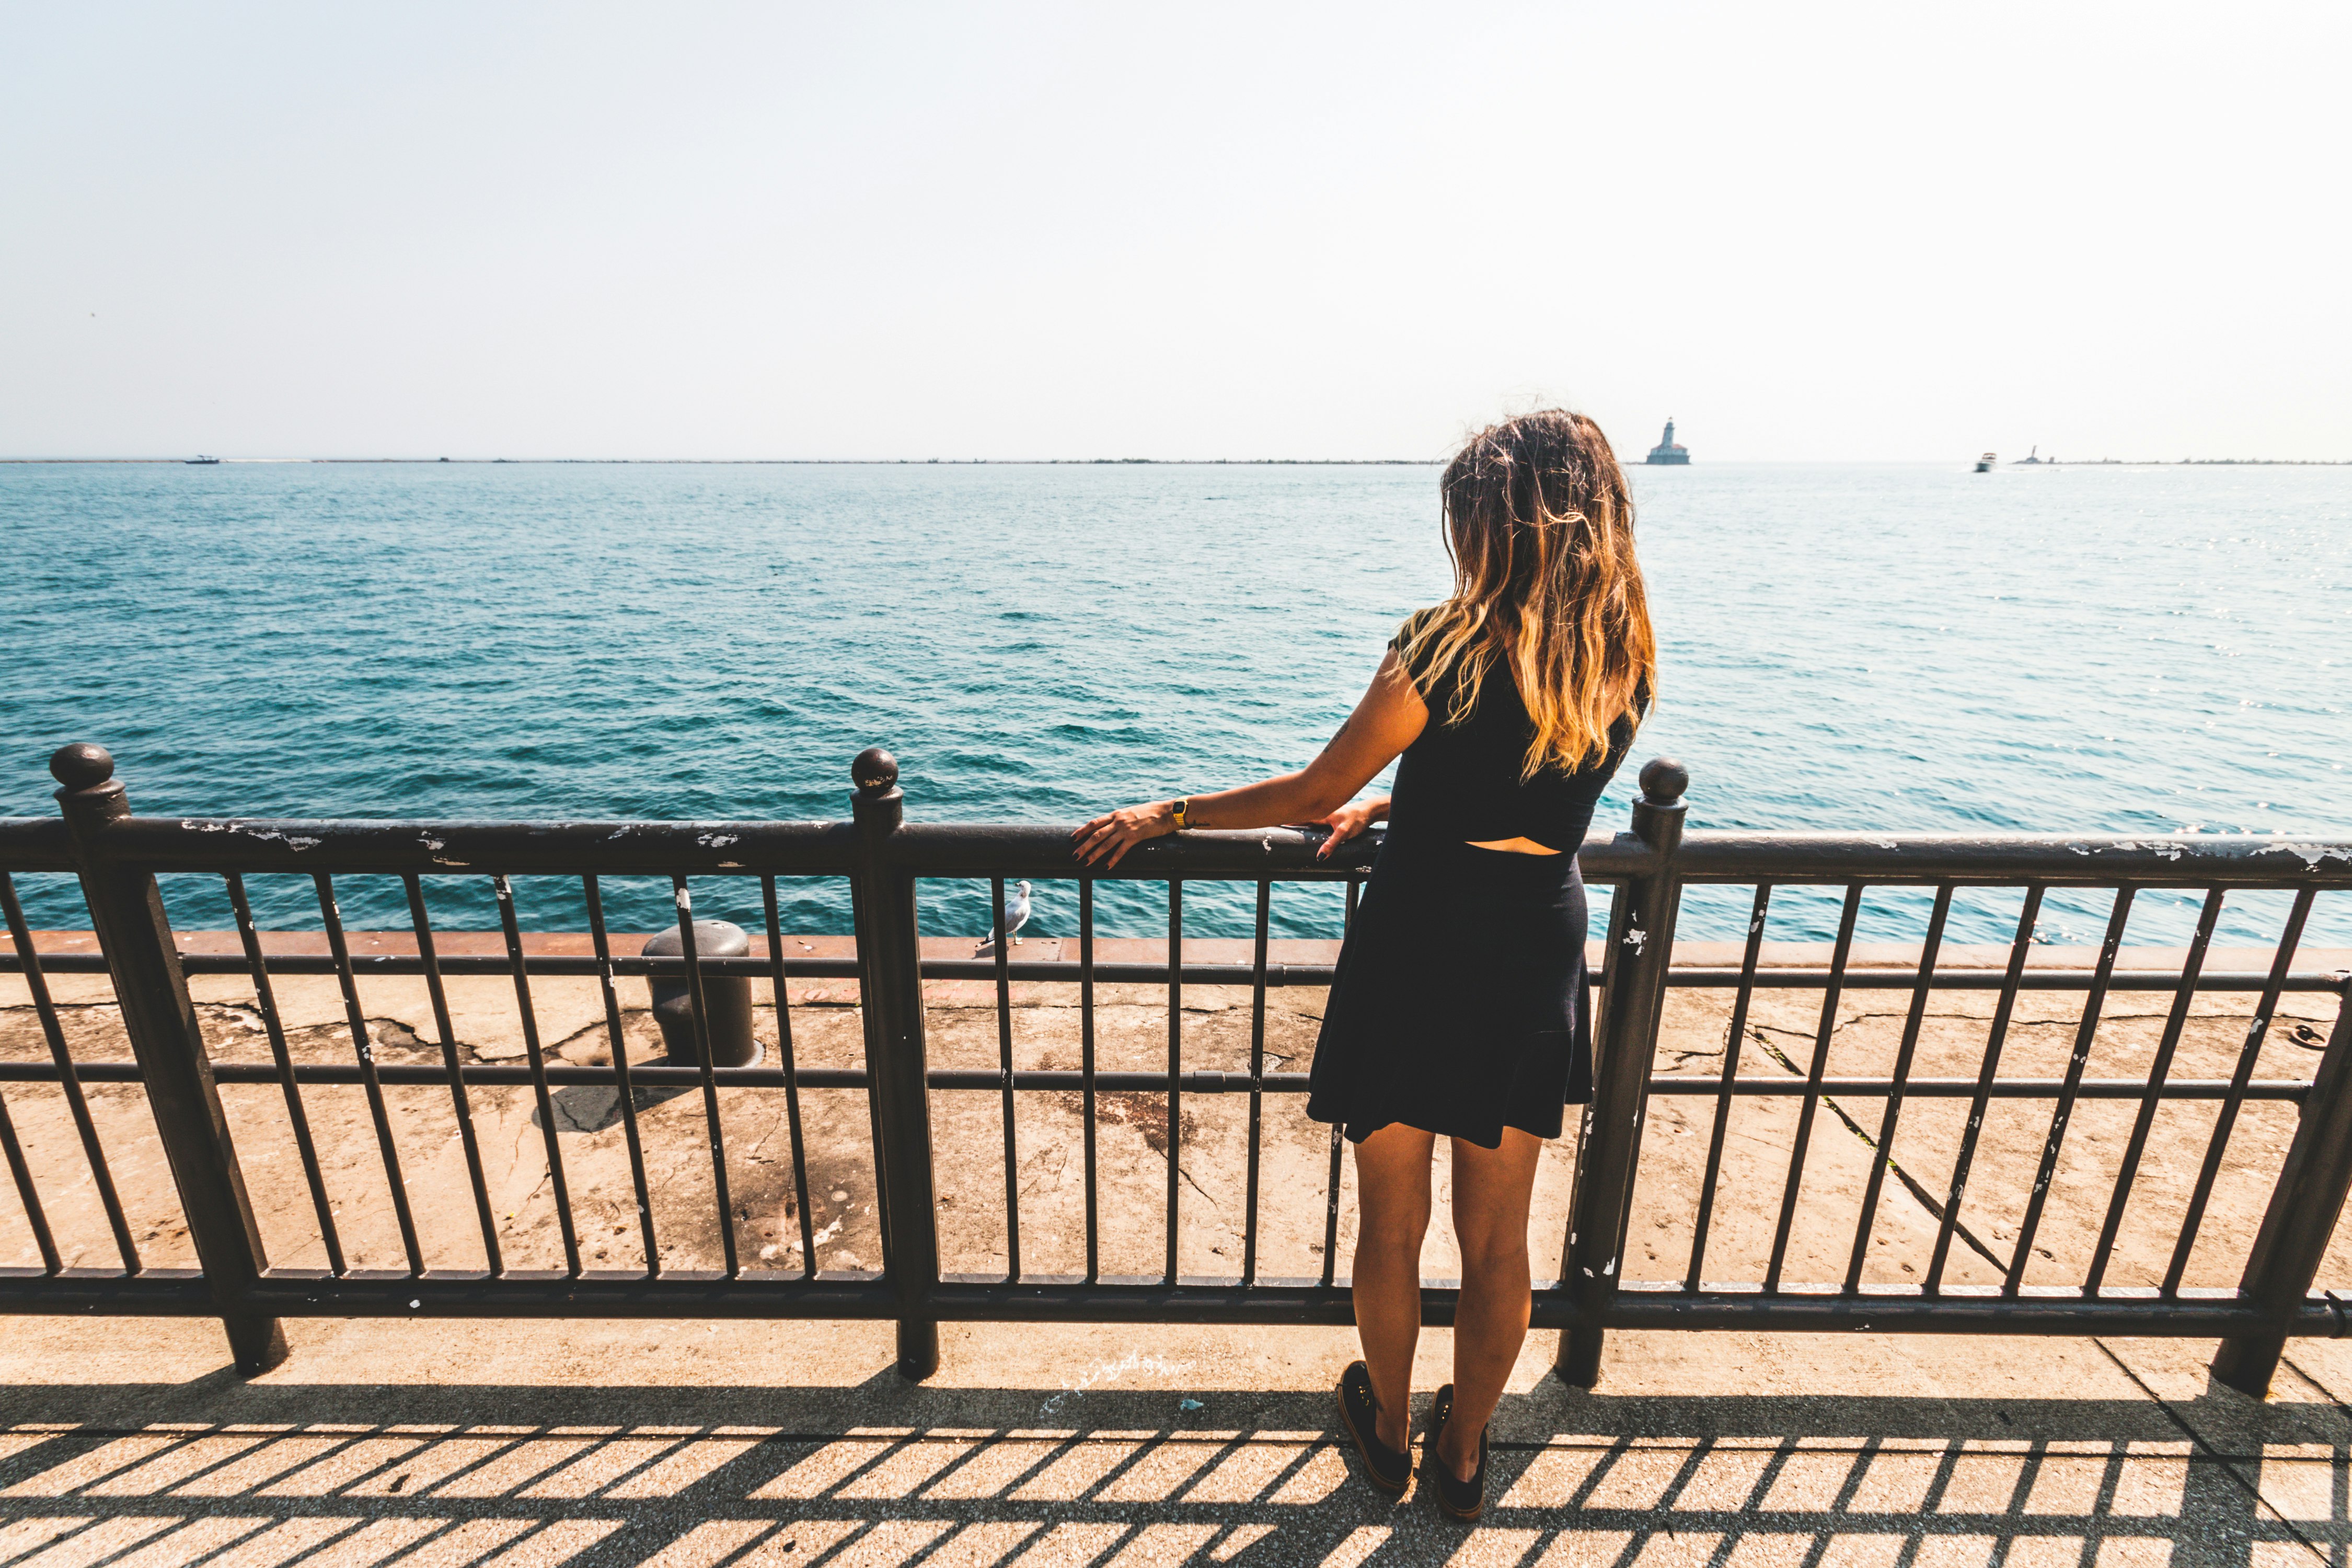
(1459, 1008)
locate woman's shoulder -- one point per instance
(1414, 649)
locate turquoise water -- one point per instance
(1908, 648)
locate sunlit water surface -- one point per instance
(1912, 648)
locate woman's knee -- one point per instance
(1489, 1250)
(1491, 1193)
(1395, 1227)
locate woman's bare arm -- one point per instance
(1386, 720)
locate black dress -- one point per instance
(1460, 1004)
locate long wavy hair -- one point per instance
(1539, 525)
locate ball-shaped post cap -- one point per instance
(82, 765)
(1664, 781)
(874, 771)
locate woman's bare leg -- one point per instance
(1392, 1215)
(1491, 1187)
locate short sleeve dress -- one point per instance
(1460, 1005)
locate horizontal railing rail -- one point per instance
(1065, 972)
(265, 845)
(885, 862)
(1194, 1081)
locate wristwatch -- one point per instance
(1181, 807)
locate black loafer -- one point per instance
(1391, 1469)
(1465, 1501)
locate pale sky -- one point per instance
(1805, 231)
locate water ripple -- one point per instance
(1860, 648)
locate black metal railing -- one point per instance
(117, 858)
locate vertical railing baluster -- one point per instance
(126, 910)
(1338, 1131)
(792, 1074)
(1258, 1078)
(2160, 1069)
(22, 1174)
(2300, 1219)
(1003, 942)
(1823, 1037)
(1644, 911)
(1882, 1155)
(628, 1091)
(69, 1081)
(18, 1171)
(2085, 1030)
(1086, 1064)
(1175, 1056)
(560, 1188)
(2218, 1143)
(1331, 1204)
(1732, 1041)
(356, 1017)
(890, 987)
(702, 1012)
(1613, 967)
(460, 1103)
(1995, 1037)
(265, 998)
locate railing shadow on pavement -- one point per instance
(885, 1472)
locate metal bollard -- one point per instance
(726, 997)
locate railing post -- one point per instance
(1625, 1047)
(126, 908)
(2304, 1207)
(890, 989)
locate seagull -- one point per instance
(1017, 915)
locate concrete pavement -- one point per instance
(677, 1444)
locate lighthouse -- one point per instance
(1665, 451)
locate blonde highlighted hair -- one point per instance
(1539, 525)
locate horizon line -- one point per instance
(208, 461)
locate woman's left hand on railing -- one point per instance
(1114, 834)
(1349, 822)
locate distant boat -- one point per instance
(1665, 451)
(201, 461)
(2032, 459)
(1985, 463)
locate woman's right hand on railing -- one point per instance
(1349, 822)
(1119, 831)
